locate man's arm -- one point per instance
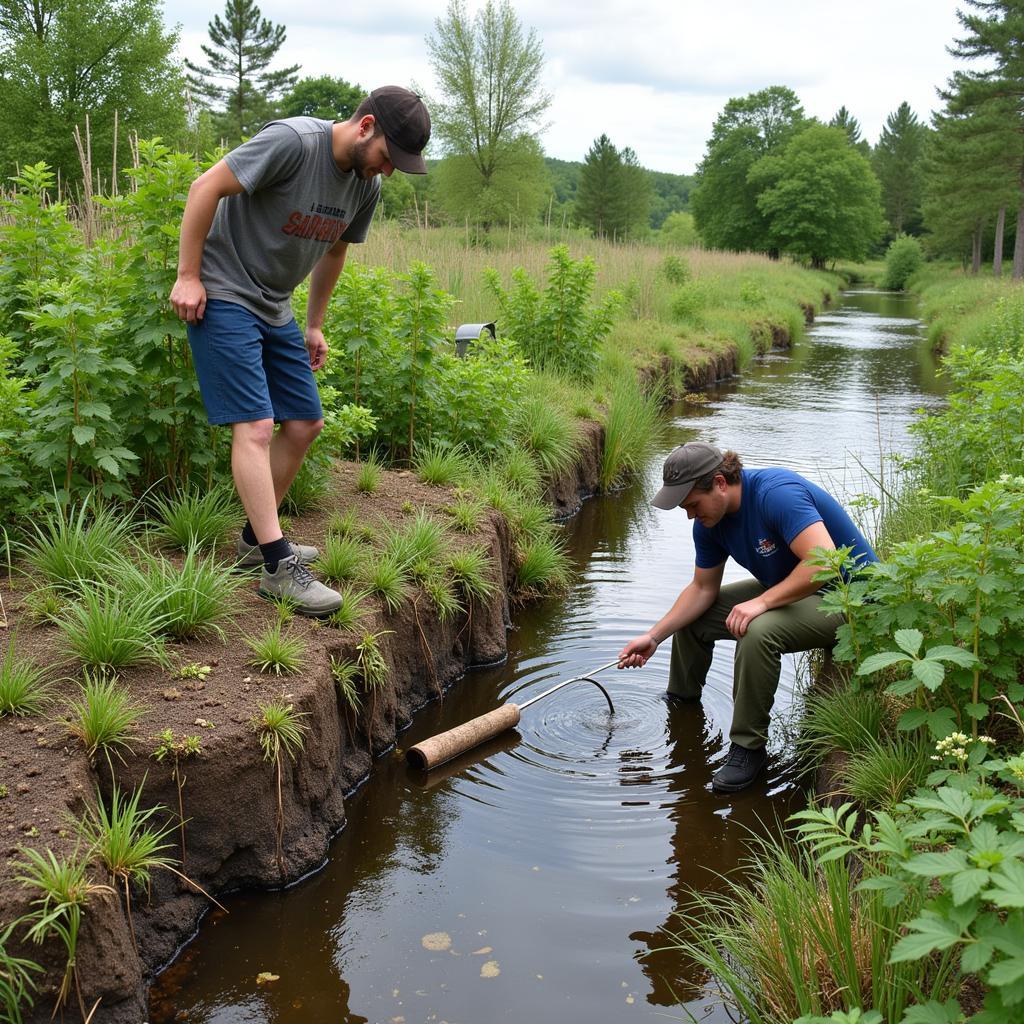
(697, 597)
(188, 296)
(800, 583)
(321, 284)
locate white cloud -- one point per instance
(651, 76)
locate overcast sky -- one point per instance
(651, 74)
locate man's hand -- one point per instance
(637, 652)
(743, 614)
(316, 345)
(188, 299)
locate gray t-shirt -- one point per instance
(297, 203)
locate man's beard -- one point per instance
(359, 161)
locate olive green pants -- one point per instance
(758, 660)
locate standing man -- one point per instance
(768, 520)
(284, 205)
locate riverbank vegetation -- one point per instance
(898, 897)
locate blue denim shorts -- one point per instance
(249, 369)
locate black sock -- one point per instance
(274, 552)
(248, 534)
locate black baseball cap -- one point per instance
(405, 123)
(684, 466)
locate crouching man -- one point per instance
(769, 521)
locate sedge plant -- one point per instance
(275, 651)
(280, 733)
(24, 689)
(195, 517)
(103, 717)
(16, 978)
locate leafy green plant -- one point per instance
(373, 668)
(16, 981)
(903, 259)
(176, 751)
(274, 651)
(65, 890)
(121, 837)
(280, 733)
(558, 330)
(789, 940)
(103, 717)
(23, 686)
(196, 517)
(950, 859)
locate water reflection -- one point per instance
(551, 859)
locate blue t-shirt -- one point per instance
(775, 506)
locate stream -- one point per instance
(534, 879)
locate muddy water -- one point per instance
(532, 880)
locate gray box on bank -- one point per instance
(466, 334)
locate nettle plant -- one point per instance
(954, 601)
(955, 852)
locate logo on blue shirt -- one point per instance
(766, 547)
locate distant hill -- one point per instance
(670, 192)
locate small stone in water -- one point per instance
(490, 969)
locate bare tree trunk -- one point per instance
(976, 248)
(997, 248)
(1018, 242)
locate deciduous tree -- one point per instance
(491, 106)
(60, 61)
(724, 202)
(323, 96)
(820, 197)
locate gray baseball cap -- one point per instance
(684, 466)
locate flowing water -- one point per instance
(532, 880)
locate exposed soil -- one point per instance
(229, 796)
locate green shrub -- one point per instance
(196, 517)
(903, 259)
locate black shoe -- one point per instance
(681, 698)
(741, 767)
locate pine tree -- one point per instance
(897, 161)
(995, 35)
(845, 120)
(600, 194)
(238, 76)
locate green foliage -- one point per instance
(467, 513)
(725, 202)
(490, 107)
(898, 160)
(24, 689)
(631, 425)
(352, 611)
(440, 465)
(310, 488)
(675, 269)
(882, 773)
(422, 540)
(388, 579)
(472, 572)
(558, 330)
(370, 471)
(73, 544)
(903, 259)
(196, 517)
(820, 198)
(843, 719)
(951, 860)
(64, 63)
(544, 568)
(104, 717)
(341, 559)
(279, 729)
(238, 75)
(613, 196)
(274, 651)
(546, 430)
(324, 96)
(791, 940)
(16, 982)
(64, 891)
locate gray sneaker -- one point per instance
(296, 583)
(250, 556)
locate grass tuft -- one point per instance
(544, 568)
(274, 651)
(195, 518)
(341, 558)
(442, 466)
(23, 688)
(103, 717)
